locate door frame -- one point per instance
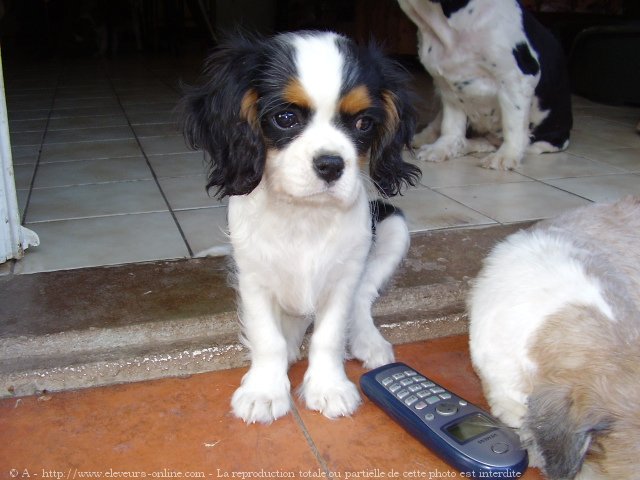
(14, 238)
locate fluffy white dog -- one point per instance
(555, 338)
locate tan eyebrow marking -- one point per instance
(295, 93)
(356, 100)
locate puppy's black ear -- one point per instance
(563, 430)
(220, 117)
(387, 168)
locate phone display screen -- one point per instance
(470, 427)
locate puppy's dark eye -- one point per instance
(364, 123)
(286, 119)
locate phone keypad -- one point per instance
(414, 389)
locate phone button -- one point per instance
(446, 409)
(500, 447)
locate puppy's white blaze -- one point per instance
(319, 68)
(291, 170)
(319, 64)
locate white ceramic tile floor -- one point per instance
(108, 240)
(187, 192)
(514, 202)
(205, 228)
(427, 209)
(87, 172)
(178, 164)
(116, 184)
(564, 164)
(601, 188)
(95, 200)
(63, 152)
(464, 171)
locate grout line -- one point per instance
(153, 173)
(569, 192)
(37, 164)
(310, 442)
(464, 205)
(91, 217)
(23, 218)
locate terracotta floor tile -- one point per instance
(177, 424)
(369, 441)
(184, 425)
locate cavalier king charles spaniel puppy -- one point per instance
(290, 124)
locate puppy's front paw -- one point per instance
(443, 149)
(426, 136)
(501, 161)
(432, 153)
(261, 398)
(333, 398)
(372, 349)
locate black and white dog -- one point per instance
(289, 123)
(501, 76)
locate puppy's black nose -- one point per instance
(328, 167)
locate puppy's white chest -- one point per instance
(304, 275)
(298, 277)
(298, 255)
